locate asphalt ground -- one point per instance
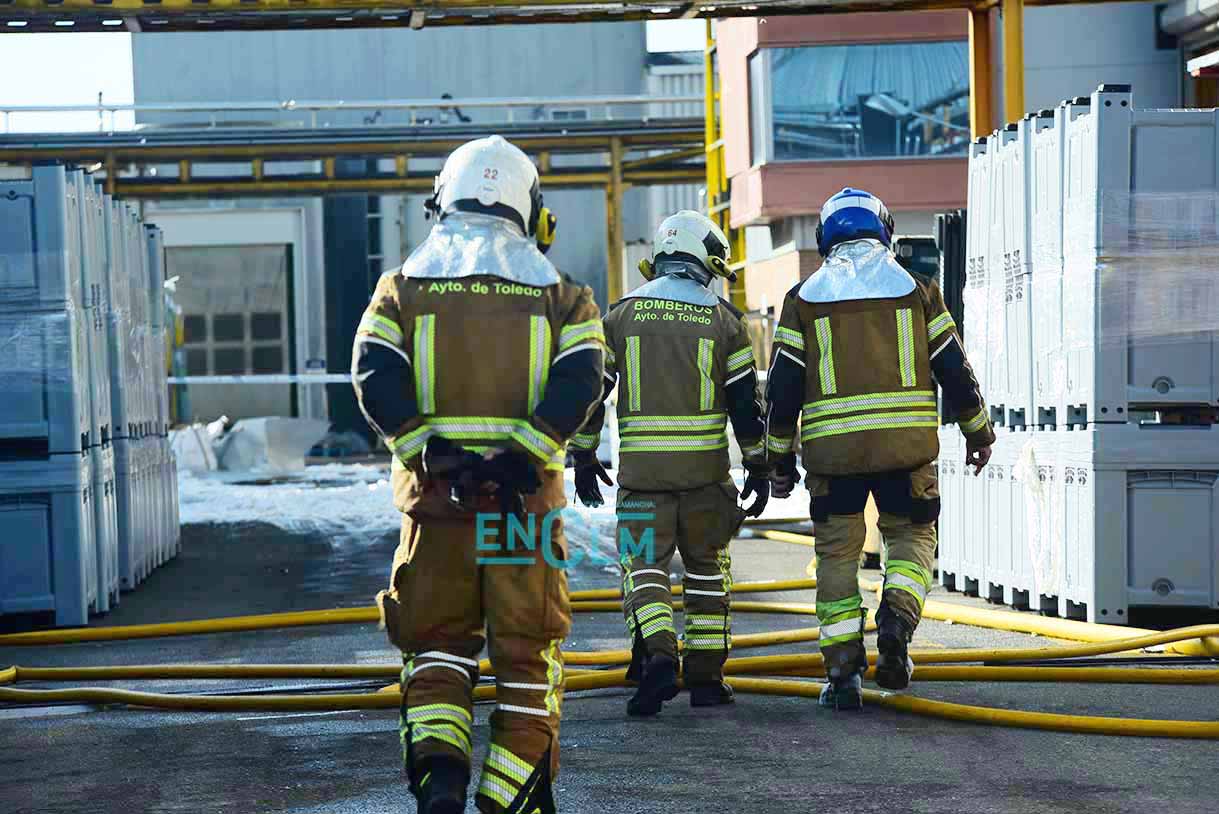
(765, 754)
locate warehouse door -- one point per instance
(236, 309)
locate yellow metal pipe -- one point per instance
(786, 537)
(1013, 60)
(613, 224)
(980, 77)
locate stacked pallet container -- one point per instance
(87, 478)
(1106, 495)
(49, 554)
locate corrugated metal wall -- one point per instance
(675, 80)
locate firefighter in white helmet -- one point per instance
(476, 361)
(684, 366)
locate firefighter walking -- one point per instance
(859, 347)
(684, 367)
(476, 361)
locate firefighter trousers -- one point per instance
(454, 585)
(699, 524)
(908, 504)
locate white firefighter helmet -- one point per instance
(689, 236)
(491, 176)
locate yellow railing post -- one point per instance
(1013, 60)
(980, 78)
(613, 220)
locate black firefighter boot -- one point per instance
(893, 663)
(442, 786)
(659, 684)
(844, 690)
(711, 694)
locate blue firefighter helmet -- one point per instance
(852, 215)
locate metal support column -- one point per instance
(980, 77)
(613, 222)
(1013, 60)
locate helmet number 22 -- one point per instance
(491, 174)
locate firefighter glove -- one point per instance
(757, 483)
(588, 471)
(784, 477)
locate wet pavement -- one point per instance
(763, 755)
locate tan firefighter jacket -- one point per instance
(483, 361)
(684, 366)
(859, 348)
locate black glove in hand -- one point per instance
(757, 482)
(784, 477)
(513, 475)
(588, 471)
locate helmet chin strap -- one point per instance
(683, 268)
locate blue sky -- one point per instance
(72, 69)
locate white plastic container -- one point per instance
(48, 556)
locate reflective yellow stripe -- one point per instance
(787, 336)
(539, 359)
(554, 676)
(632, 372)
(383, 327)
(478, 428)
(586, 440)
(706, 389)
(944, 322)
(740, 359)
(643, 423)
(425, 363)
(673, 443)
(974, 424)
(433, 713)
(508, 764)
(779, 444)
(572, 335)
(449, 733)
(868, 401)
(497, 789)
(825, 345)
(867, 423)
(905, 346)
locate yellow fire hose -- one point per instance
(1097, 642)
(1018, 622)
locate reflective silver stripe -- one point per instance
(706, 390)
(741, 358)
(539, 359)
(425, 363)
(739, 376)
(825, 344)
(783, 352)
(850, 404)
(844, 628)
(508, 764)
(645, 586)
(632, 373)
(976, 423)
(779, 444)
(436, 654)
(373, 340)
(497, 790)
(649, 571)
(662, 443)
(520, 685)
(906, 582)
(642, 423)
(789, 337)
(691, 591)
(863, 423)
(417, 670)
(577, 349)
(542, 713)
(940, 324)
(940, 349)
(905, 346)
(716, 577)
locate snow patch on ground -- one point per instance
(350, 504)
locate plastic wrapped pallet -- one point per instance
(40, 242)
(93, 271)
(1130, 516)
(47, 553)
(952, 513)
(976, 295)
(1140, 294)
(1007, 570)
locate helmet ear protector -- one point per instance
(646, 269)
(545, 230)
(720, 266)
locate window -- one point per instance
(569, 114)
(839, 102)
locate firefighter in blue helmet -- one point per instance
(860, 345)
